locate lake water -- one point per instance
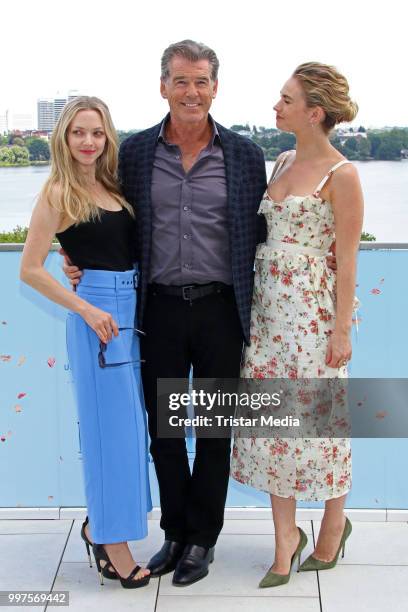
(385, 186)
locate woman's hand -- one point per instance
(338, 349)
(330, 259)
(101, 322)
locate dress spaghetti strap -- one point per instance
(278, 166)
(328, 175)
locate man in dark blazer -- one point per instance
(196, 188)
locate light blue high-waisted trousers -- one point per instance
(111, 411)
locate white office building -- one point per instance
(59, 104)
(72, 94)
(45, 114)
(49, 109)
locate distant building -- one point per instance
(45, 114)
(59, 104)
(40, 134)
(268, 133)
(49, 110)
(43, 134)
(246, 133)
(347, 133)
(73, 94)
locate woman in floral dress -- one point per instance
(302, 311)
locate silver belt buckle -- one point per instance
(184, 294)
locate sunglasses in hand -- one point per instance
(103, 346)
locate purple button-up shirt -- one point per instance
(190, 240)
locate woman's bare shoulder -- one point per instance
(345, 174)
(345, 186)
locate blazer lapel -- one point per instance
(145, 170)
(143, 185)
(232, 159)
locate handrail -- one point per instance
(364, 246)
(378, 246)
(18, 246)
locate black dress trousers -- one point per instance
(207, 335)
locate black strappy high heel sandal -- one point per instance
(100, 554)
(107, 570)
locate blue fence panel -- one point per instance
(40, 458)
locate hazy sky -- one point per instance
(112, 49)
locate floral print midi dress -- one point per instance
(292, 317)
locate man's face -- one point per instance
(189, 89)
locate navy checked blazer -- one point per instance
(246, 184)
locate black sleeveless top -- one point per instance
(108, 243)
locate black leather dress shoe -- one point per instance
(193, 565)
(166, 559)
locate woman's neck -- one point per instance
(88, 175)
(312, 145)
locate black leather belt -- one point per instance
(189, 292)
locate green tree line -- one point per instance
(18, 151)
(364, 145)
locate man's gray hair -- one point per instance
(192, 51)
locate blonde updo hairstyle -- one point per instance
(325, 86)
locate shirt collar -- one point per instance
(215, 134)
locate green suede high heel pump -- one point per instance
(315, 564)
(271, 579)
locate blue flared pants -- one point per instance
(111, 411)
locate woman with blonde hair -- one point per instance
(301, 314)
(81, 204)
